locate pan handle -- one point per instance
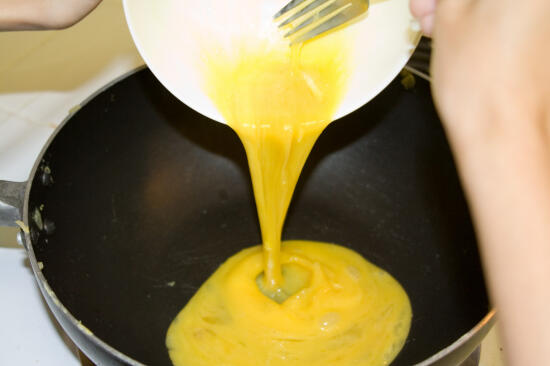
(419, 63)
(12, 197)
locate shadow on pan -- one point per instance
(148, 198)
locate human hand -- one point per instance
(489, 55)
(491, 86)
(43, 14)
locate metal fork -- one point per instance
(315, 17)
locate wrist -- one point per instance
(496, 123)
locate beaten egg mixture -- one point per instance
(295, 302)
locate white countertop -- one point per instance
(42, 76)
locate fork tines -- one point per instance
(309, 18)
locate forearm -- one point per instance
(43, 14)
(505, 169)
(491, 84)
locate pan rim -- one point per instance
(483, 325)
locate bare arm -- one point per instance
(43, 14)
(491, 83)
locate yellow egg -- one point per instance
(349, 312)
(305, 302)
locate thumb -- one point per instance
(424, 11)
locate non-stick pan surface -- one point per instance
(138, 199)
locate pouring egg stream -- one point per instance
(293, 302)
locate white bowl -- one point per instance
(170, 35)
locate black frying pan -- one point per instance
(136, 190)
